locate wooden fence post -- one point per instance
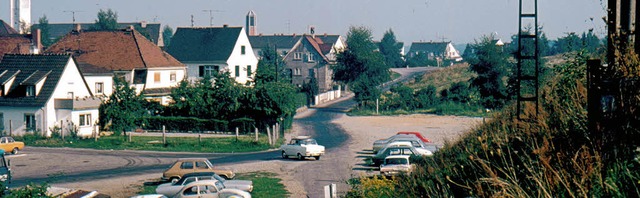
(237, 133)
(256, 129)
(129, 136)
(275, 134)
(61, 131)
(199, 139)
(10, 127)
(164, 135)
(269, 135)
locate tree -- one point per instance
(311, 89)
(360, 66)
(123, 108)
(167, 34)
(107, 20)
(270, 67)
(390, 49)
(43, 24)
(491, 65)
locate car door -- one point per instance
(187, 167)
(4, 144)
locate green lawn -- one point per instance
(265, 184)
(186, 144)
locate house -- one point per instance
(214, 49)
(103, 54)
(40, 92)
(13, 42)
(435, 50)
(304, 56)
(152, 31)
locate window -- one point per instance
(70, 95)
(296, 71)
(85, 119)
(30, 121)
(31, 90)
(248, 70)
(172, 76)
(156, 77)
(237, 70)
(208, 70)
(311, 57)
(1, 121)
(297, 56)
(201, 165)
(395, 151)
(243, 50)
(407, 151)
(99, 88)
(186, 165)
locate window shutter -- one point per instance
(201, 71)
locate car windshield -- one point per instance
(308, 142)
(396, 161)
(217, 177)
(209, 163)
(219, 185)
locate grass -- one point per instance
(265, 184)
(445, 108)
(443, 78)
(184, 144)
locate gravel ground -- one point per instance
(363, 130)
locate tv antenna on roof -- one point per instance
(73, 14)
(211, 15)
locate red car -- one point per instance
(417, 134)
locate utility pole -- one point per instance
(211, 15)
(192, 20)
(73, 14)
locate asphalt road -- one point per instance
(54, 165)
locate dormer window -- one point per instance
(30, 90)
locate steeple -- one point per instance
(251, 27)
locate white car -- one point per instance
(395, 165)
(302, 147)
(170, 189)
(210, 188)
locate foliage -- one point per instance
(184, 124)
(360, 66)
(270, 67)
(120, 112)
(390, 49)
(31, 190)
(167, 34)
(43, 24)
(107, 20)
(491, 65)
(207, 144)
(370, 187)
(311, 89)
(460, 92)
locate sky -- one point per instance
(458, 21)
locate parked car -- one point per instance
(5, 171)
(8, 144)
(210, 188)
(150, 196)
(395, 165)
(417, 134)
(193, 165)
(302, 147)
(399, 148)
(170, 189)
(379, 144)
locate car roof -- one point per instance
(302, 137)
(408, 132)
(192, 159)
(202, 182)
(397, 156)
(199, 174)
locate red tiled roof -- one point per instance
(14, 44)
(6, 29)
(317, 44)
(112, 50)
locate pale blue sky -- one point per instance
(460, 21)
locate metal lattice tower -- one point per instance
(528, 60)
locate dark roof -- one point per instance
(6, 29)
(319, 46)
(436, 47)
(57, 30)
(204, 43)
(279, 41)
(157, 91)
(6, 75)
(104, 51)
(35, 77)
(32, 67)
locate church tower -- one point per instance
(20, 13)
(251, 27)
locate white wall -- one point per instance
(165, 74)
(242, 60)
(106, 80)
(71, 81)
(193, 69)
(15, 115)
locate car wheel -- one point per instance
(284, 155)
(317, 157)
(300, 157)
(14, 151)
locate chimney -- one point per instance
(143, 24)
(294, 35)
(225, 25)
(37, 39)
(78, 27)
(131, 28)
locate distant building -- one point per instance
(20, 11)
(102, 54)
(13, 42)
(252, 24)
(435, 50)
(214, 49)
(152, 31)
